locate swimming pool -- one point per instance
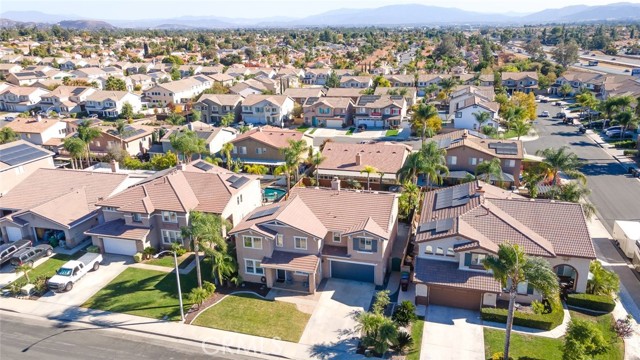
(272, 194)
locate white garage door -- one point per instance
(119, 246)
(13, 233)
(335, 124)
(369, 122)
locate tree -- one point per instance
(603, 281)
(556, 160)
(87, 133)
(227, 148)
(7, 135)
(297, 110)
(409, 170)
(534, 48)
(626, 119)
(409, 199)
(76, 148)
(521, 127)
(127, 111)
(447, 85)
(368, 169)
(583, 341)
(333, 81)
(420, 118)
(228, 119)
(511, 267)
(381, 81)
(284, 169)
(565, 89)
(196, 115)
(574, 192)
(488, 170)
(198, 296)
(434, 162)
(175, 119)
(566, 53)
(316, 160)
(115, 84)
(165, 161)
(292, 154)
(25, 269)
(175, 74)
(256, 169)
(223, 266)
(121, 130)
(531, 178)
(187, 143)
(207, 229)
(587, 101)
(482, 117)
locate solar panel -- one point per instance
(444, 225)
(20, 154)
(233, 178)
(504, 148)
(460, 191)
(444, 143)
(264, 213)
(238, 183)
(428, 226)
(459, 202)
(443, 199)
(203, 166)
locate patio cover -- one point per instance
(291, 261)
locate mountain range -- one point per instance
(391, 15)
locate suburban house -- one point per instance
(212, 70)
(27, 78)
(189, 70)
(152, 212)
(267, 109)
(579, 80)
(39, 131)
(300, 95)
(467, 100)
(65, 99)
(136, 139)
(466, 149)
(346, 161)
(214, 137)
(222, 79)
(6, 69)
(318, 233)
(177, 92)
(425, 80)
(143, 81)
(109, 104)
(328, 112)
(526, 81)
(410, 94)
(316, 76)
(21, 98)
(64, 212)
(360, 82)
(263, 145)
(461, 225)
(400, 80)
(380, 111)
(214, 107)
(18, 160)
(90, 73)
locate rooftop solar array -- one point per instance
(20, 154)
(233, 178)
(504, 148)
(241, 181)
(452, 197)
(264, 213)
(444, 143)
(437, 225)
(203, 166)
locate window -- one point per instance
(439, 251)
(169, 217)
(477, 259)
(301, 273)
(252, 242)
(428, 250)
(243, 150)
(135, 217)
(450, 252)
(365, 244)
(235, 150)
(387, 111)
(279, 240)
(458, 114)
(337, 236)
(170, 236)
(452, 160)
(510, 163)
(253, 267)
(300, 243)
(261, 151)
(473, 161)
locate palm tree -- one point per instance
(488, 170)
(368, 169)
(76, 148)
(292, 154)
(223, 266)
(284, 169)
(482, 117)
(377, 330)
(188, 143)
(565, 90)
(447, 86)
(25, 269)
(626, 119)
(576, 193)
(226, 150)
(256, 169)
(7, 135)
(421, 116)
(121, 130)
(207, 229)
(409, 199)
(521, 127)
(213, 160)
(409, 170)
(559, 159)
(316, 160)
(434, 163)
(87, 134)
(198, 296)
(381, 174)
(228, 119)
(603, 281)
(430, 89)
(512, 267)
(531, 178)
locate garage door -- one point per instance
(335, 124)
(119, 246)
(352, 271)
(467, 299)
(13, 233)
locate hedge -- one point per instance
(544, 321)
(592, 302)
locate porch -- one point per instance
(291, 271)
(285, 280)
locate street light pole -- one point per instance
(175, 262)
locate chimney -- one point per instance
(479, 189)
(335, 183)
(181, 167)
(115, 166)
(358, 159)
(38, 118)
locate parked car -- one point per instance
(7, 250)
(619, 134)
(612, 128)
(560, 115)
(558, 103)
(9, 118)
(72, 271)
(30, 255)
(544, 100)
(544, 114)
(598, 124)
(582, 129)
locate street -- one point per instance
(23, 338)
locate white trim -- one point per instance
(167, 231)
(279, 240)
(253, 242)
(295, 245)
(255, 267)
(169, 219)
(333, 236)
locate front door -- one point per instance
(280, 275)
(314, 121)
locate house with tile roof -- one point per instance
(267, 109)
(460, 226)
(63, 212)
(263, 145)
(136, 139)
(177, 92)
(380, 111)
(18, 160)
(301, 95)
(525, 81)
(318, 233)
(214, 136)
(21, 98)
(467, 100)
(39, 131)
(65, 99)
(106, 103)
(359, 82)
(409, 93)
(152, 213)
(328, 112)
(214, 107)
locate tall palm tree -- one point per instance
(292, 154)
(421, 116)
(434, 162)
(206, 229)
(488, 170)
(87, 133)
(284, 169)
(511, 267)
(531, 178)
(76, 148)
(223, 266)
(482, 117)
(316, 160)
(226, 150)
(576, 193)
(447, 86)
(560, 159)
(368, 169)
(381, 174)
(409, 170)
(626, 119)
(256, 169)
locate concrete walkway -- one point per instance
(617, 154)
(452, 334)
(73, 250)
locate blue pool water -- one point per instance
(273, 194)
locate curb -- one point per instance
(601, 144)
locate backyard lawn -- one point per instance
(416, 333)
(147, 293)
(49, 267)
(249, 314)
(392, 132)
(167, 261)
(539, 348)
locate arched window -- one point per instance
(450, 252)
(439, 251)
(428, 250)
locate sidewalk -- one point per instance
(617, 154)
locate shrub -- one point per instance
(198, 296)
(405, 313)
(630, 153)
(137, 257)
(538, 307)
(178, 248)
(209, 287)
(546, 321)
(623, 327)
(94, 249)
(381, 302)
(499, 356)
(40, 284)
(583, 341)
(403, 341)
(148, 252)
(592, 302)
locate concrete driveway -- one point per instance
(451, 333)
(330, 329)
(111, 266)
(8, 275)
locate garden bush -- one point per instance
(405, 313)
(630, 153)
(546, 321)
(93, 249)
(592, 302)
(137, 257)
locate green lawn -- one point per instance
(167, 261)
(49, 267)
(147, 293)
(313, 130)
(252, 315)
(416, 333)
(539, 348)
(303, 128)
(392, 132)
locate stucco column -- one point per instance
(312, 283)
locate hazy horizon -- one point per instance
(150, 9)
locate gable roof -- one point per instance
(253, 99)
(479, 142)
(221, 99)
(31, 125)
(270, 135)
(386, 157)
(21, 152)
(519, 75)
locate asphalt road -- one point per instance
(22, 338)
(615, 194)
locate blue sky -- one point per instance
(141, 9)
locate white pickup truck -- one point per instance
(72, 271)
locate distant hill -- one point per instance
(581, 13)
(38, 17)
(85, 24)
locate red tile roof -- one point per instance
(291, 261)
(446, 273)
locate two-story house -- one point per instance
(152, 213)
(316, 76)
(468, 100)
(359, 82)
(177, 92)
(135, 139)
(263, 145)
(400, 80)
(579, 80)
(142, 81)
(214, 137)
(21, 98)
(301, 95)
(18, 160)
(267, 109)
(526, 81)
(39, 131)
(65, 99)
(328, 112)
(410, 94)
(215, 106)
(380, 111)
(109, 103)
(460, 226)
(318, 233)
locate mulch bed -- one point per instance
(221, 292)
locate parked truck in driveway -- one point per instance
(72, 271)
